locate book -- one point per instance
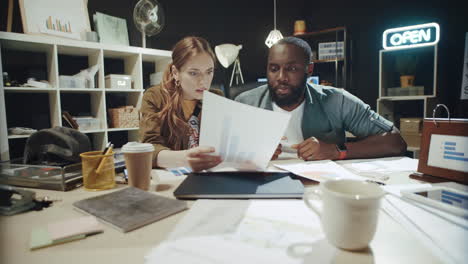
(130, 208)
(64, 231)
(239, 185)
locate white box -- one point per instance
(66, 81)
(118, 81)
(87, 123)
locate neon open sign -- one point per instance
(412, 36)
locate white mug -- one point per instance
(349, 213)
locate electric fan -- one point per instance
(148, 16)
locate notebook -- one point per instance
(130, 208)
(64, 231)
(239, 185)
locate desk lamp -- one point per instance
(227, 54)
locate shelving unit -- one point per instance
(426, 76)
(421, 105)
(50, 57)
(333, 70)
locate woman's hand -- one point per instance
(199, 158)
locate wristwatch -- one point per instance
(342, 150)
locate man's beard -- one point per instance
(288, 100)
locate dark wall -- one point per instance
(249, 22)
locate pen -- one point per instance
(108, 150)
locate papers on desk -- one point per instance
(382, 168)
(217, 231)
(245, 136)
(321, 170)
(446, 237)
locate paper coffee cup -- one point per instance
(138, 161)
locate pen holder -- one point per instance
(98, 170)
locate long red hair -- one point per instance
(173, 124)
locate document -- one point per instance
(215, 231)
(382, 168)
(246, 137)
(321, 170)
(446, 239)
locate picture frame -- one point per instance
(62, 18)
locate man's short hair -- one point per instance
(299, 43)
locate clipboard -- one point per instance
(444, 150)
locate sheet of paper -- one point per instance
(321, 170)
(449, 245)
(382, 168)
(245, 136)
(215, 231)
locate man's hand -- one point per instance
(314, 149)
(277, 152)
(199, 158)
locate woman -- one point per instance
(171, 111)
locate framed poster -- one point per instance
(63, 18)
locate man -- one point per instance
(320, 115)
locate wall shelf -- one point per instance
(330, 70)
(51, 57)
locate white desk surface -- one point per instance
(391, 244)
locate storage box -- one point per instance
(66, 81)
(118, 81)
(411, 125)
(124, 117)
(412, 139)
(87, 123)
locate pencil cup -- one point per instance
(349, 213)
(138, 161)
(98, 170)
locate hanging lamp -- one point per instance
(275, 34)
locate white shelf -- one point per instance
(122, 129)
(29, 89)
(394, 107)
(112, 90)
(80, 90)
(52, 50)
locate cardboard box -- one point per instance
(412, 139)
(411, 125)
(124, 117)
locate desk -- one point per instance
(392, 244)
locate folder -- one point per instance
(239, 185)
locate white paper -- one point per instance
(448, 152)
(445, 239)
(382, 168)
(246, 231)
(245, 136)
(321, 170)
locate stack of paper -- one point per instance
(64, 231)
(446, 236)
